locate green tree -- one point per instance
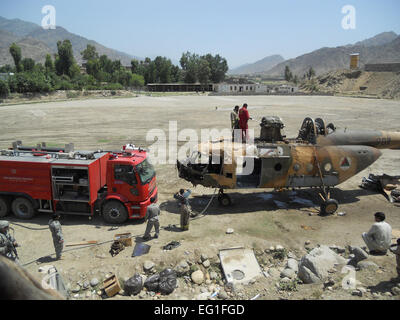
(29, 82)
(93, 68)
(4, 89)
(137, 80)
(49, 64)
(310, 73)
(65, 58)
(89, 53)
(28, 64)
(15, 52)
(175, 74)
(204, 71)
(189, 64)
(288, 74)
(218, 67)
(134, 66)
(7, 69)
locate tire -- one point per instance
(4, 207)
(114, 212)
(329, 207)
(224, 200)
(23, 208)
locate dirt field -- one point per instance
(257, 221)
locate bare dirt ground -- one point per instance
(257, 222)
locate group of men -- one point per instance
(378, 239)
(153, 213)
(239, 123)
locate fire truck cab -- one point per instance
(118, 185)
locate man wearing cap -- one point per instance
(186, 212)
(7, 242)
(152, 217)
(379, 237)
(56, 232)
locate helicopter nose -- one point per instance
(376, 153)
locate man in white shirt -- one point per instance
(379, 237)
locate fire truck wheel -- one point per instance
(4, 207)
(114, 212)
(23, 208)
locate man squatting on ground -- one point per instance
(379, 237)
(152, 217)
(186, 212)
(56, 232)
(7, 242)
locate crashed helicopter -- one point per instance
(321, 156)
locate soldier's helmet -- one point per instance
(4, 224)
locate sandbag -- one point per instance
(133, 285)
(152, 283)
(167, 282)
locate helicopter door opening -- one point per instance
(248, 172)
(215, 165)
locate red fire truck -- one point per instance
(118, 185)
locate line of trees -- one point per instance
(61, 72)
(310, 73)
(194, 68)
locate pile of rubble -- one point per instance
(282, 272)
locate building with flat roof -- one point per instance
(179, 87)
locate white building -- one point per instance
(253, 88)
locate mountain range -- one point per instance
(36, 42)
(259, 66)
(382, 48)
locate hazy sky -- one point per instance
(242, 31)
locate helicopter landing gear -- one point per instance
(223, 199)
(329, 205)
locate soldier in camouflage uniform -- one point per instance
(56, 232)
(186, 211)
(7, 242)
(152, 217)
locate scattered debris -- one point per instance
(239, 265)
(255, 297)
(172, 245)
(148, 266)
(140, 249)
(116, 247)
(385, 184)
(125, 238)
(133, 285)
(82, 243)
(111, 286)
(307, 227)
(229, 231)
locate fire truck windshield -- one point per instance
(146, 171)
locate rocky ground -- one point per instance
(360, 83)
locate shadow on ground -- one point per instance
(305, 200)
